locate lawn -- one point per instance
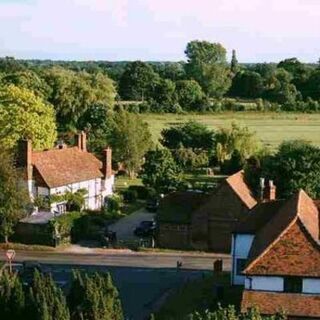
(271, 128)
(199, 295)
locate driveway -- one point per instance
(125, 226)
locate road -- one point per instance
(190, 261)
(142, 278)
(125, 226)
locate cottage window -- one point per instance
(241, 264)
(293, 284)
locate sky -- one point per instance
(259, 30)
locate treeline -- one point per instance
(205, 82)
(91, 297)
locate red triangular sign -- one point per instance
(10, 254)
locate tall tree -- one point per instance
(295, 166)
(137, 81)
(74, 93)
(13, 197)
(130, 139)
(190, 95)
(25, 116)
(94, 297)
(160, 171)
(234, 63)
(207, 64)
(247, 84)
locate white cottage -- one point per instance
(276, 257)
(67, 169)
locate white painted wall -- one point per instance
(311, 285)
(43, 191)
(264, 283)
(241, 244)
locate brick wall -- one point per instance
(173, 236)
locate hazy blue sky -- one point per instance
(260, 30)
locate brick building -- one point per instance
(211, 221)
(276, 256)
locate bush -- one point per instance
(143, 192)
(114, 204)
(130, 196)
(64, 224)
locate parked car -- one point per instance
(145, 229)
(152, 205)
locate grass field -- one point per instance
(271, 128)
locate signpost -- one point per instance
(10, 254)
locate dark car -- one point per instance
(152, 205)
(145, 229)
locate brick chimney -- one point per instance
(81, 141)
(107, 163)
(24, 157)
(270, 191)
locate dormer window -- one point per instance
(293, 284)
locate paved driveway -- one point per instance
(125, 226)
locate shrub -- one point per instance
(143, 192)
(130, 196)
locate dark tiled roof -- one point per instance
(60, 167)
(269, 303)
(295, 225)
(239, 186)
(258, 217)
(178, 207)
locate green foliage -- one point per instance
(235, 138)
(190, 95)
(295, 166)
(13, 196)
(192, 135)
(130, 139)
(189, 159)
(207, 65)
(91, 297)
(74, 94)
(160, 171)
(229, 313)
(25, 116)
(45, 301)
(234, 63)
(137, 81)
(94, 297)
(130, 196)
(247, 84)
(114, 204)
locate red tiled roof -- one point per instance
(258, 217)
(289, 241)
(60, 167)
(237, 183)
(269, 303)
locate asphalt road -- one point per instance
(143, 279)
(190, 261)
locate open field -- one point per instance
(271, 128)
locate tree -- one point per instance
(190, 95)
(192, 135)
(207, 65)
(130, 139)
(137, 81)
(295, 166)
(74, 93)
(45, 301)
(239, 138)
(247, 84)
(164, 95)
(280, 88)
(12, 298)
(29, 80)
(13, 197)
(94, 297)
(312, 85)
(25, 116)
(234, 63)
(160, 171)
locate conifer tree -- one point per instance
(234, 63)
